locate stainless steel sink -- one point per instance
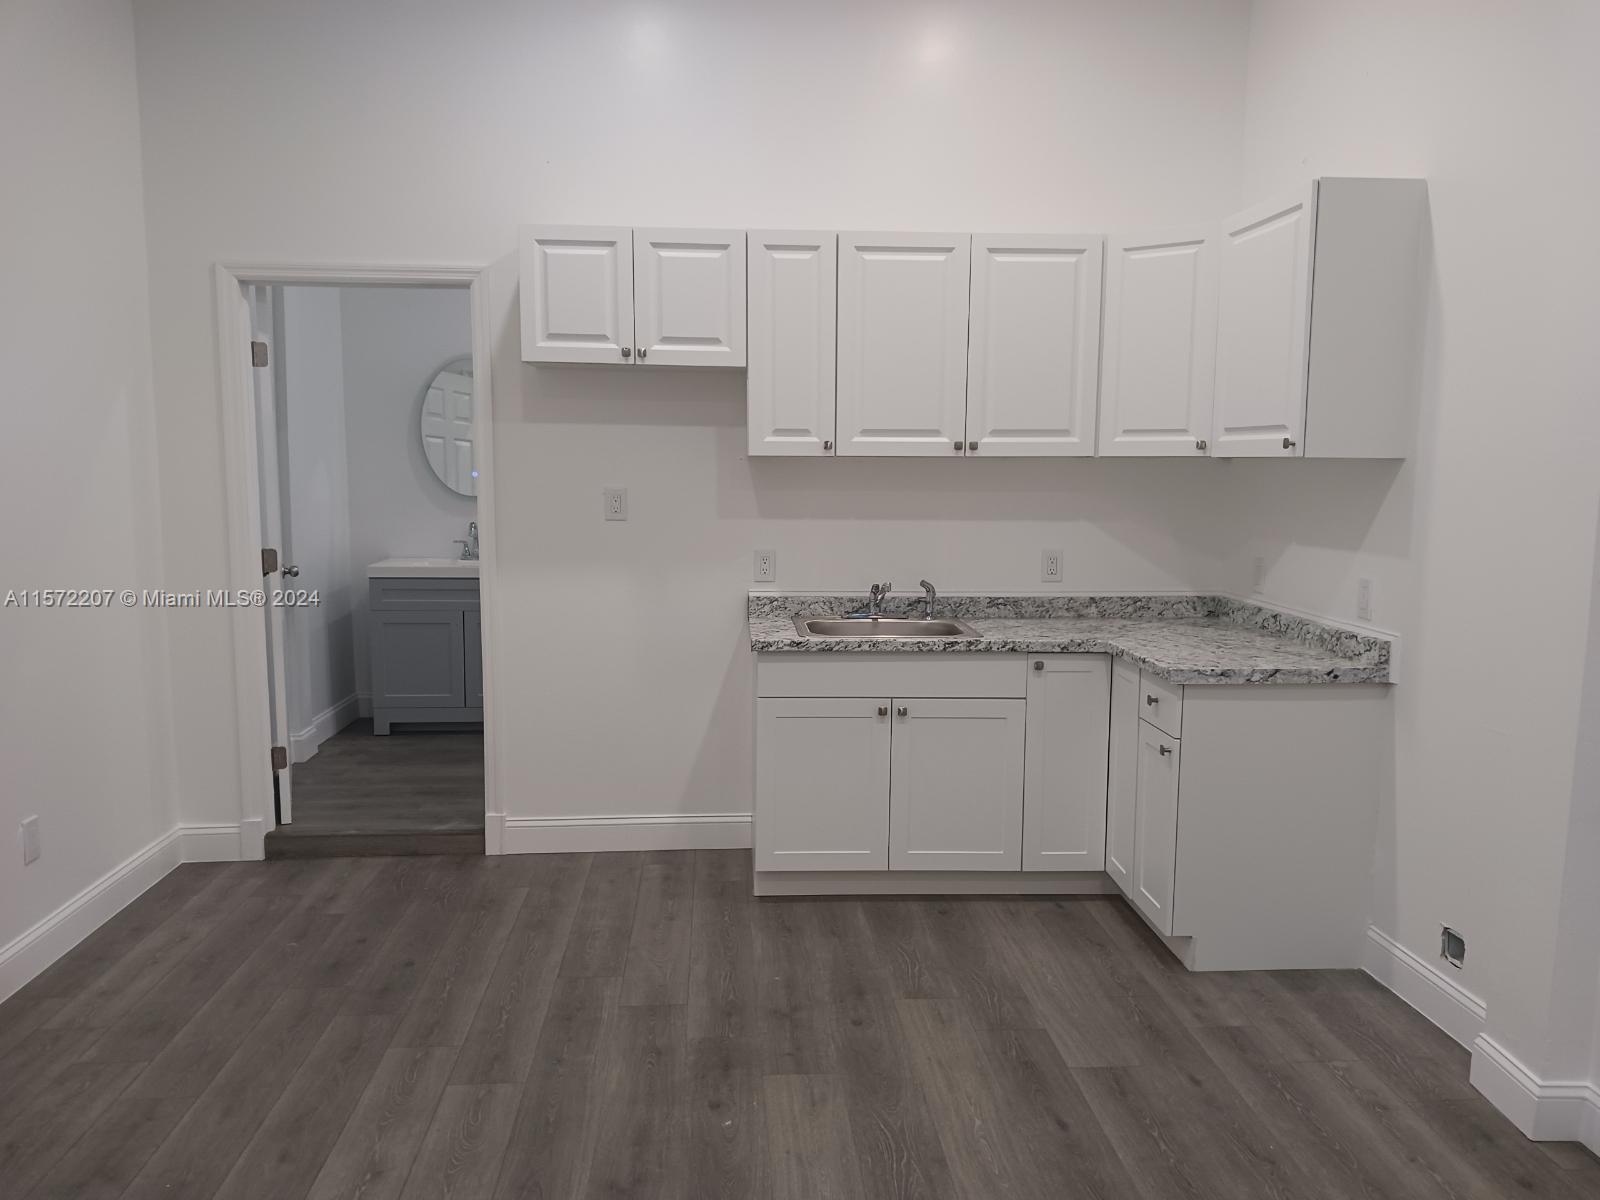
(883, 627)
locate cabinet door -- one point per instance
(1156, 825)
(793, 311)
(1122, 775)
(1263, 329)
(1159, 369)
(689, 297)
(1033, 358)
(903, 343)
(472, 636)
(577, 294)
(418, 660)
(1064, 786)
(955, 800)
(822, 785)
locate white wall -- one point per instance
(395, 340)
(1482, 546)
(321, 639)
(85, 741)
(1013, 115)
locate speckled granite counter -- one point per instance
(1185, 639)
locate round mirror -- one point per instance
(446, 427)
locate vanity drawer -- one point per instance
(1161, 703)
(422, 595)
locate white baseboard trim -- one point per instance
(210, 843)
(1424, 987)
(1545, 1111)
(31, 951)
(323, 726)
(649, 831)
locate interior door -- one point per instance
(577, 294)
(689, 308)
(1263, 329)
(822, 785)
(793, 319)
(955, 795)
(1034, 344)
(902, 386)
(1159, 368)
(258, 313)
(1156, 826)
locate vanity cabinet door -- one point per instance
(955, 799)
(472, 635)
(418, 660)
(1064, 790)
(689, 297)
(793, 310)
(822, 784)
(577, 294)
(1156, 826)
(1122, 774)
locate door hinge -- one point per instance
(280, 758)
(258, 354)
(269, 561)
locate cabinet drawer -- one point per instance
(1161, 703)
(422, 595)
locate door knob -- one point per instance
(291, 572)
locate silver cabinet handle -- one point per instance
(883, 710)
(627, 352)
(1288, 443)
(641, 351)
(1200, 444)
(1038, 665)
(827, 445)
(1150, 701)
(291, 572)
(972, 445)
(902, 712)
(958, 447)
(1166, 750)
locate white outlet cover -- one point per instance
(1050, 566)
(616, 503)
(766, 566)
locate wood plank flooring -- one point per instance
(637, 1025)
(415, 792)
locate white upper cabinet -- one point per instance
(689, 308)
(577, 294)
(793, 313)
(902, 385)
(1160, 345)
(1318, 325)
(1033, 358)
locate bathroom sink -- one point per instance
(882, 627)
(423, 568)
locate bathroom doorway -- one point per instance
(368, 492)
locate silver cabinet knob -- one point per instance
(902, 712)
(641, 351)
(1150, 701)
(883, 710)
(972, 445)
(1165, 750)
(627, 352)
(1200, 444)
(958, 447)
(291, 572)
(1288, 443)
(1038, 665)
(827, 445)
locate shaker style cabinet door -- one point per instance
(955, 798)
(1122, 775)
(903, 343)
(793, 312)
(1064, 789)
(1155, 855)
(577, 294)
(1158, 372)
(822, 785)
(1263, 330)
(689, 297)
(1033, 359)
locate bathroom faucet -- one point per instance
(469, 544)
(930, 601)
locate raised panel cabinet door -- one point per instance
(903, 343)
(793, 307)
(689, 297)
(1122, 775)
(472, 636)
(955, 796)
(1033, 357)
(1156, 826)
(1263, 329)
(1064, 784)
(822, 784)
(577, 294)
(1159, 368)
(418, 660)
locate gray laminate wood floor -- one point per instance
(412, 792)
(636, 1025)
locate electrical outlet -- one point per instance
(1363, 599)
(616, 504)
(30, 839)
(766, 566)
(1452, 946)
(1260, 576)
(1050, 566)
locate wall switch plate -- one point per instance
(616, 500)
(1363, 599)
(1050, 566)
(1260, 573)
(766, 566)
(30, 839)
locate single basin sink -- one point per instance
(424, 568)
(882, 627)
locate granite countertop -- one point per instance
(1184, 639)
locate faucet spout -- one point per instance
(930, 600)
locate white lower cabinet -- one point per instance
(1155, 826)
(822, 784)
(1064, 824)
(1122, 774)
(955, 790)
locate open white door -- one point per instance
(275, 569)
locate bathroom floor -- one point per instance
(638, 1025)
(412, 792)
